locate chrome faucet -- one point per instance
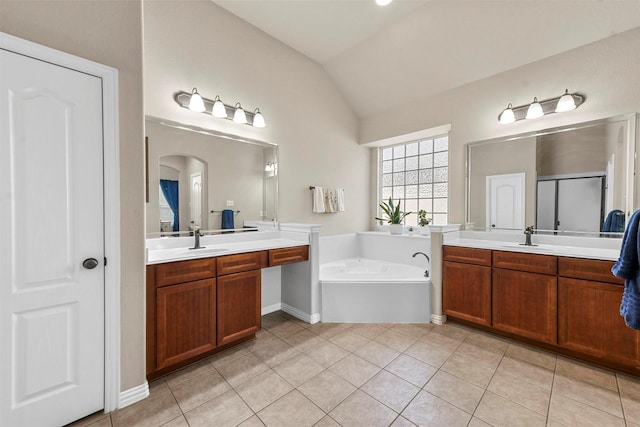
(196, 245)
(527, 233)
(426, 272)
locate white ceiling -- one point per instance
(383, 57)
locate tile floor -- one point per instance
(296, 374)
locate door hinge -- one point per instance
(105, 261)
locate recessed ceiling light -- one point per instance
(383, 2)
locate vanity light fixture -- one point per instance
(216, 108)
(560, 104)
(195, 102)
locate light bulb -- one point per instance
(258, 119)
(565, 103)
(218, 110)
(507, 116)
(196, 103)
(383, 2)
(239, 116)
(535, 110)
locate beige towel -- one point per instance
(330, 200)
(318, 200)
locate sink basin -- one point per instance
(525, 248)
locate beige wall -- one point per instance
(197, 43)
(108, 32)
(606, 72)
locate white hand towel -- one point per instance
(318, 200)
(340, 192)
(330, 200)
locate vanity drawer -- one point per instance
(467, 255)
(521, 261)
(229, 264)
(587, 269)
(170, 273)
(286, 255)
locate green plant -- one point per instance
(393, 213)
(422, 218)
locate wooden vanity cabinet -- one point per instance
(589, 318)
(466, 278)
(524, 295)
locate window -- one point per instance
(416, 174)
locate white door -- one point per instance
(196, 199)
(51, 220)
(505, 202)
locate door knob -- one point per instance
(90, 263)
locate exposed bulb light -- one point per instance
(218, 109)
(383, 2)
(239, 116)
(566, 103)
(535, 110)
(196, 103)
(507, 116)
(258, 119)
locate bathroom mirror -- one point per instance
(194, 174)
(569, 179)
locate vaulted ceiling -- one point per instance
(383, 57)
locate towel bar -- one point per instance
(235, 212)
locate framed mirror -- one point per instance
(576, 179)
(195, 174)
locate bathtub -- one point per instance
(363, 290)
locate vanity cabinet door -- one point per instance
(239, 306)
(589, 321)
(186, 321)
(525, 304)
(466, 292)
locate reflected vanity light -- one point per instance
(560, 104)
(195, 102)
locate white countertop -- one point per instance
(576, 247)
(177, 248)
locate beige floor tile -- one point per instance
(587, 373)
(488, 341)
(228, 409)
(598, 397)
(189, 372)
(181, 421)
(251, 422)
(499, 412)
(460, 393)
(327, 353)
(394, 340)
(554, 423)
(154, 410)
(532, 355)
(158, 386)
(411, 330)
(354, 369)
(573, 413)
(304, 340)
(428, 353)
(401, 421)
(263, 339)
(228, 355)
(529, 372)
(453, 330)
(360, 409)
(298, 369)
(628, 386)
(92, 420)
(442, 340)
(412, 370)
(275, 353)
(477, 422)
(391, 390)
(369, 330)
(197, 390)
(285, 329)
(348, 340)
(326, 421)
(326, 390)
(521, 392)
(272, 320)
(468, 370)
(293, 410)
(328, 330)
(242, 369)
(482, 355)
(263, 390)
(631, 408)
(378, 354)
(428, 410)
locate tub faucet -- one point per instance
(527, 233)
(196, 245)
(426, 272)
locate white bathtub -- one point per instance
(370, 291)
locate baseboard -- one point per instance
(134, 395)
(315, 318)
(271, 308)
(439, 319)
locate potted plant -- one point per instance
(423, 221)
(394, 216)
